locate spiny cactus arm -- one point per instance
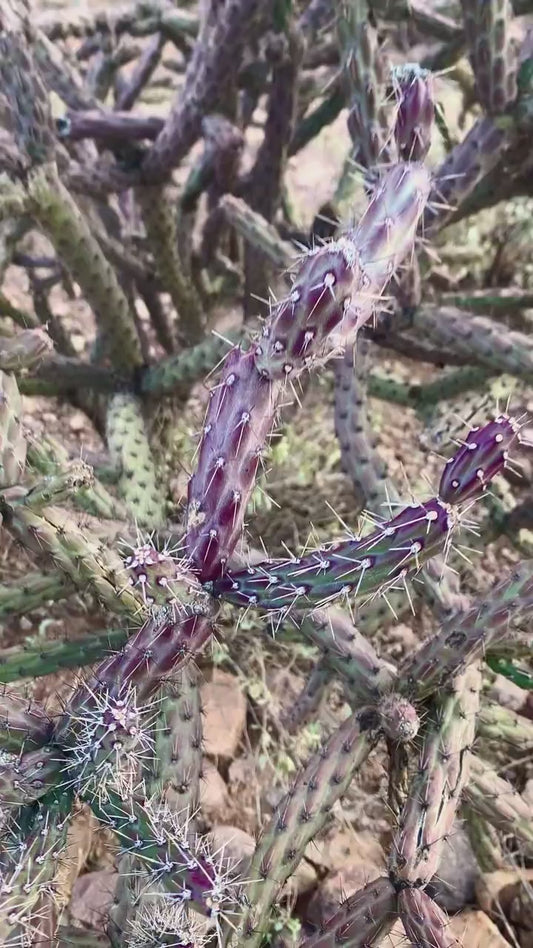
(178, 373)
(489, 625)
(415, 110)
(75, 552)
(52, 488)
(27, 777)
(54, 656)
(499, 803)
(353, 568)
(57, 213)
(300, 816)
(506, 727)
(492, 52)
(132, 455)
(348, 653)
(484, 840)
(159, 217)
(141, 73)
(482, 455)
(239, 420)
(23, 723)
(475, 337)
(309, 700)
(424, 922)
(48, 457)
(362, 919)
(429, 811)
(177, 761)
(463, 168)
(257, 231)
(223, 33)
(339, 286)
(364, 73)
(12, 440)
(59, 73)
(318, 118)
(28, 864)
(111, 128)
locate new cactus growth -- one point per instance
(147, 526)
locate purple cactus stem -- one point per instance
(413, 89)
(482, 456)
(239, 420)
(359, 567)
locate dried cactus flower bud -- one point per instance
(481, 457)
(399, 719)
(413, 89)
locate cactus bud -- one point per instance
(413, 90)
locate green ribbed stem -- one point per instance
(52, 657)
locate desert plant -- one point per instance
(132, 726)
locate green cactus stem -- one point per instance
(23, 723)
(429, 811)
(364, 72)
(131, 454)
(159, 216)
(352, 568)
(506, 667)
(51, 657)
(28, 865)
(499, 803)
(300, 816)
(75, 552)
(424, 922)
(475, 337)
(362, 919)
(54, 209)
(12, 440)
(484, 840)
(257, 231)
(499, 724)
(178, 373)
(493, 54)
(490, 624)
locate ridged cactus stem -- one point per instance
(492, 52)
(257, 231)
(133, 457)
(345, 651)
(75, 552)
(12, 440)
(29, 776)
(415, 110)
(499, 803)
(54, 656)
(484, 840)
(491, 623)
(506, 728)
(177, 374)
(424, 922)
(54, 209)
(475, 337)
(159, 210)
(362, 919)
(364, 72)
(429, 812)
(300, 816)
(23, 723)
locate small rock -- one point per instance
(232, 844)
(302, 880)
(92, 897)
(475, 930)
(454, 886)
(77, 422)
(213, 791)
(496, 890)
(346, 848)
(224, 707)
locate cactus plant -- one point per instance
(154, 534)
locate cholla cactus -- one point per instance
(128, 739)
